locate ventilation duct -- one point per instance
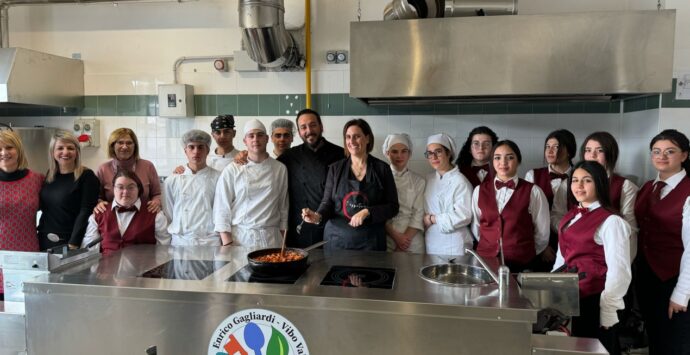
(264, 34)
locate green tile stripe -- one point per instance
(333, 105)
(669, 99)
(642, 103)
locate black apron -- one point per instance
(351, 197)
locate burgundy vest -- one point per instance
(660, 228)
(142, 229)
(616, 190)
(580, 250)
(470, 173)
(543, 180)
(515, 222)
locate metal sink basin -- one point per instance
(459, 275)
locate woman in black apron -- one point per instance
(360, 195)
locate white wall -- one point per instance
(130, 48)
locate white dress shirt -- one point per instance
(188, 203)
(681, 293)
(481, 173)
(251, 202)
(538, 209)
(123, 221)
(628, 198)
(613, 234)
(219, 162)
(560, 196)
(448, 198)
(410, 186)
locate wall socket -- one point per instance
(339, 56)
(88, 132)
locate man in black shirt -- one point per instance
(307, 166)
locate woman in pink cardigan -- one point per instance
(123, 149)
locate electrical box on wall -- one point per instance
(88, 132)
(175, 100)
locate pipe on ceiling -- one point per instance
(264, 35)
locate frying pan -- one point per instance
(280, 268)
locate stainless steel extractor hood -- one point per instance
(33, 78)
(576, 56)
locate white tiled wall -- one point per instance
(159, 137)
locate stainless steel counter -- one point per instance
(110, 302)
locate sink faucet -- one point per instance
(503, 276)
(484, 265)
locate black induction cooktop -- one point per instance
(246, 274)
(357, 276)
(180, 269)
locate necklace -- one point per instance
(359, 172)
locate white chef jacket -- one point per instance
(123, 221)
(681, 293)
(448, 198)
(410, 186)
(538, 209)
(613, 235)
(188, 203)
(251, 202)
(219, 162)
(560, 194)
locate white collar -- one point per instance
(137, 204)
(674, 180)
(594, 205)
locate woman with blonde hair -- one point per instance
(123, 151)
(68, 195)
(19, 189)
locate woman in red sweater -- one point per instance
(19, 188)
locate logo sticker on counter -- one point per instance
(259, 332)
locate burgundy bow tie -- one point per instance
(558, 176)
(475, 169)
(509, 184)
(582, 210)
(131, 208)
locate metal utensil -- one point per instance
(53, 237)
(282, 247)
(298, 229)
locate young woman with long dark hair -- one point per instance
(559, 150)
(474, 160)
(603, 148)
(593, 241)
(510, 208)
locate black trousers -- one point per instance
(666, 336)
(588, 325)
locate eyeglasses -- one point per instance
(130, 187)
(436, 153)
(656, 153)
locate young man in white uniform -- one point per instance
(251, 202)
(188, 197)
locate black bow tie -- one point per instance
(509, 184)
(131, 208)
(558, 176)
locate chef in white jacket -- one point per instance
(188, 197)
(251, 202)
(447, 200)
(405, 230)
